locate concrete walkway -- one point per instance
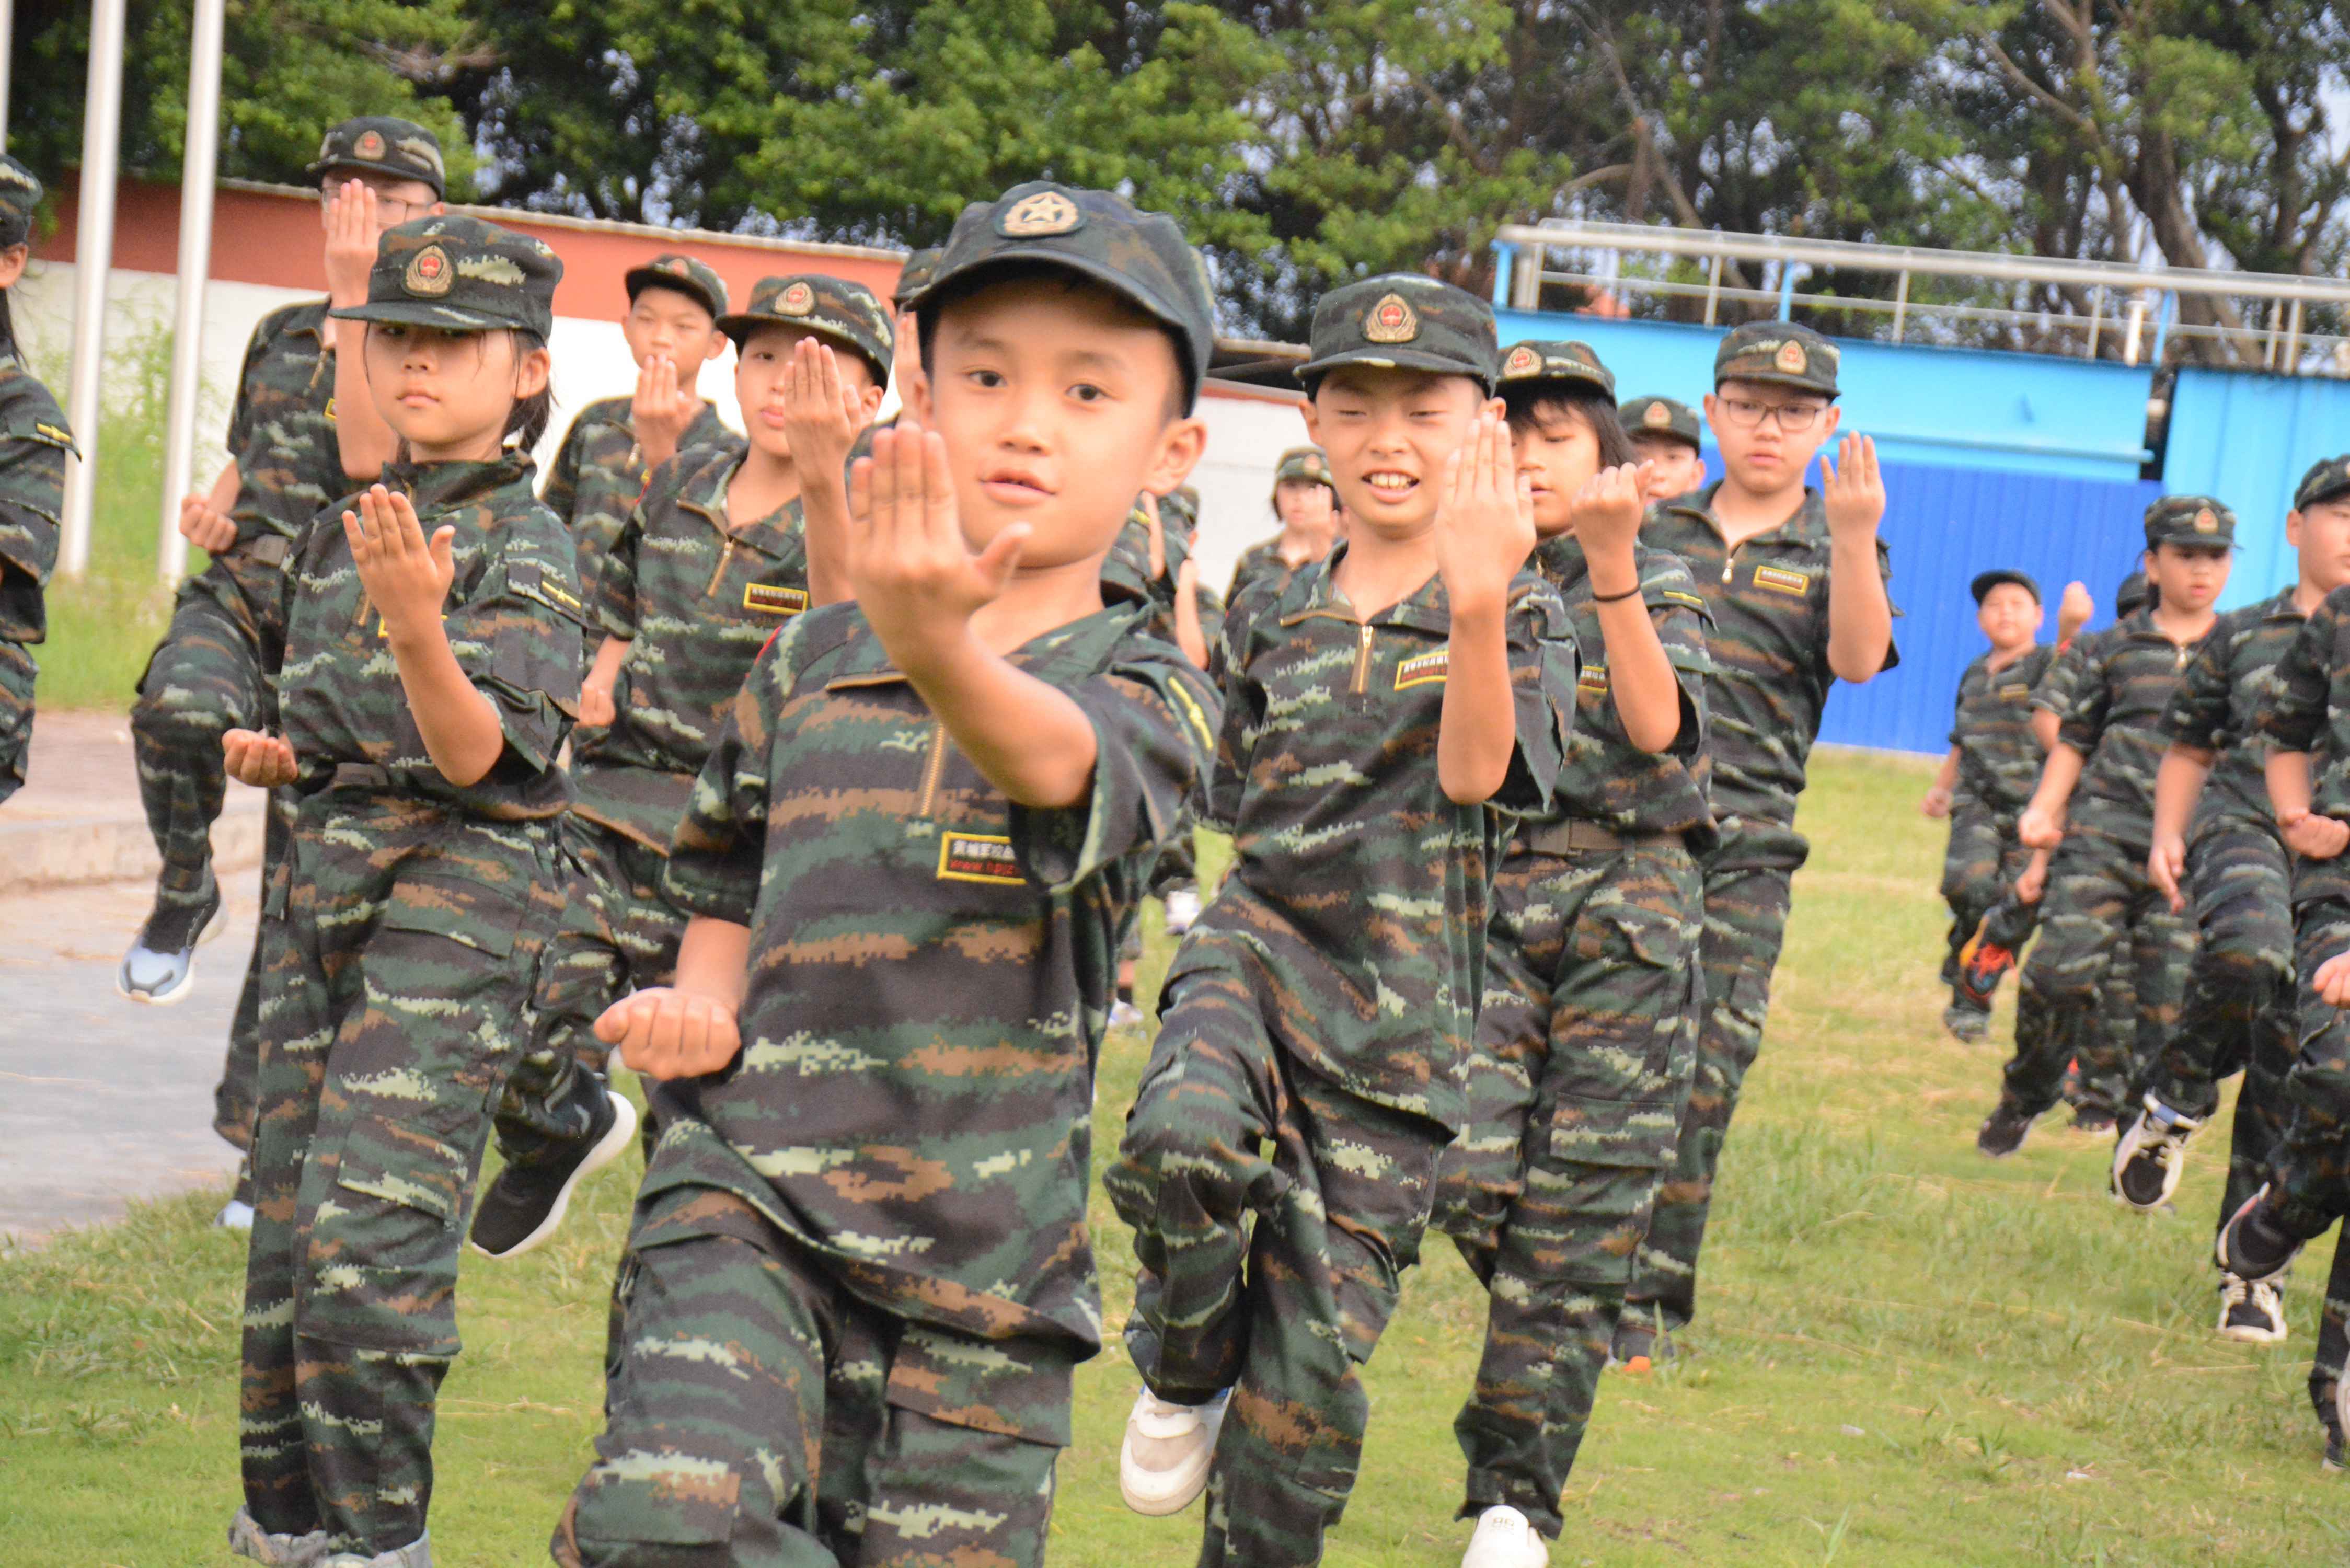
(103, 1100)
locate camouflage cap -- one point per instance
(1306, 462)
(1138, 256)
(849, 314)
(1986, 581)
(462, 274)
(382, 145)
(2328, 479)
(2132, 594)
(20, 195)
(689, 275)
(1781, 353)
(1657, 416)
(915, 275)
(1567, 362)
(2189, 520)
(1403, 321)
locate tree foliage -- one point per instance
(1301, 141)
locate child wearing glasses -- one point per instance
(1794, 578)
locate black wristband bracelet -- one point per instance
(1632, 592)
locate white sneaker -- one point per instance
(1183, 908)
(1505, 1538)
(234, 1216)
(1124, 1014)
(2251, 1311)
(2151, 1157)
(1162, 1464)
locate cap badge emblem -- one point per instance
(1043, 214)
(1391, 321)
(370, 145)
(428, 274)
(799, 299)
(1791, 358)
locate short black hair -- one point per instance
(527, 420)
(967, 287)
(1529, 402)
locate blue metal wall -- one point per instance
(2248, 440)
(1945, 408)
(1944, 526)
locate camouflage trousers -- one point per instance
(751, 1419)
(234, 1097)
(2310, 1167)
(1273, 1214)
(203, 680)
(1585, 1047)
(1746, 909)
(1979, 873)
(2326, 1366)
(17, 670)
(2100, 909)
(399, 941)
(619, 933)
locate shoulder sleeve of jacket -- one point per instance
(720, 848)
(2083, 713)
(518, 635)
(2297, 711)
(34, 442)
(1155, 719)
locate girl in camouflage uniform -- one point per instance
(429, 677)
(33, 447)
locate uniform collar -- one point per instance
(431, 486)
(1809, 525)
(2282, 607)
(1066, 653)
(1316, 586)
(703, 493)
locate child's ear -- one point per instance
(1313, 420)
(1179, 448)
(914, 391)
(531, 374)
(12, 264)
(717, 346)
(869, 401)
(1828, 425)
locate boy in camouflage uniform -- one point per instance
(1307, 507)
(288, 456)
(709, 566)
(33, 446)
(858, 1281)
(2217, 843)
(2094, 809)
(674, 305)
(1666, 439)
(1324, 1002)
(1987, 777)
(1796, 579)
(2307, 1184)
(1588, 1036)
(429, 674)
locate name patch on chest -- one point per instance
(772, 600)
(979, 857)
(2016, 692)
(1422, 667)
(1781, 580)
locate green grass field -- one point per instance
(1904, 1355)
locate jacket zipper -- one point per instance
(932, 770)
(1362, 682)
(726, 558)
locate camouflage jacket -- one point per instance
(1771, 676)
(514, 620)
(1261, 559)
(597, 473)
(2126, 676)
(932, 967)
(1357, 884)
(33, 446)
(2231, 681)
(1604, 778)
(1127, 571)
(2311, 712)
(694, 600)
(289, 464)
(1999, 757)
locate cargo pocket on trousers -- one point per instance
(382, 1261)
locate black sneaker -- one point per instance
(2002, 1131)
(2252, 1244)
(2152, 1156)
(2094, 1119)
(1966, 1019)
(526, 1203)
(162, 963)
(1641, 1345)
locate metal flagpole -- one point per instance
(196, 172)
(102, 133)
